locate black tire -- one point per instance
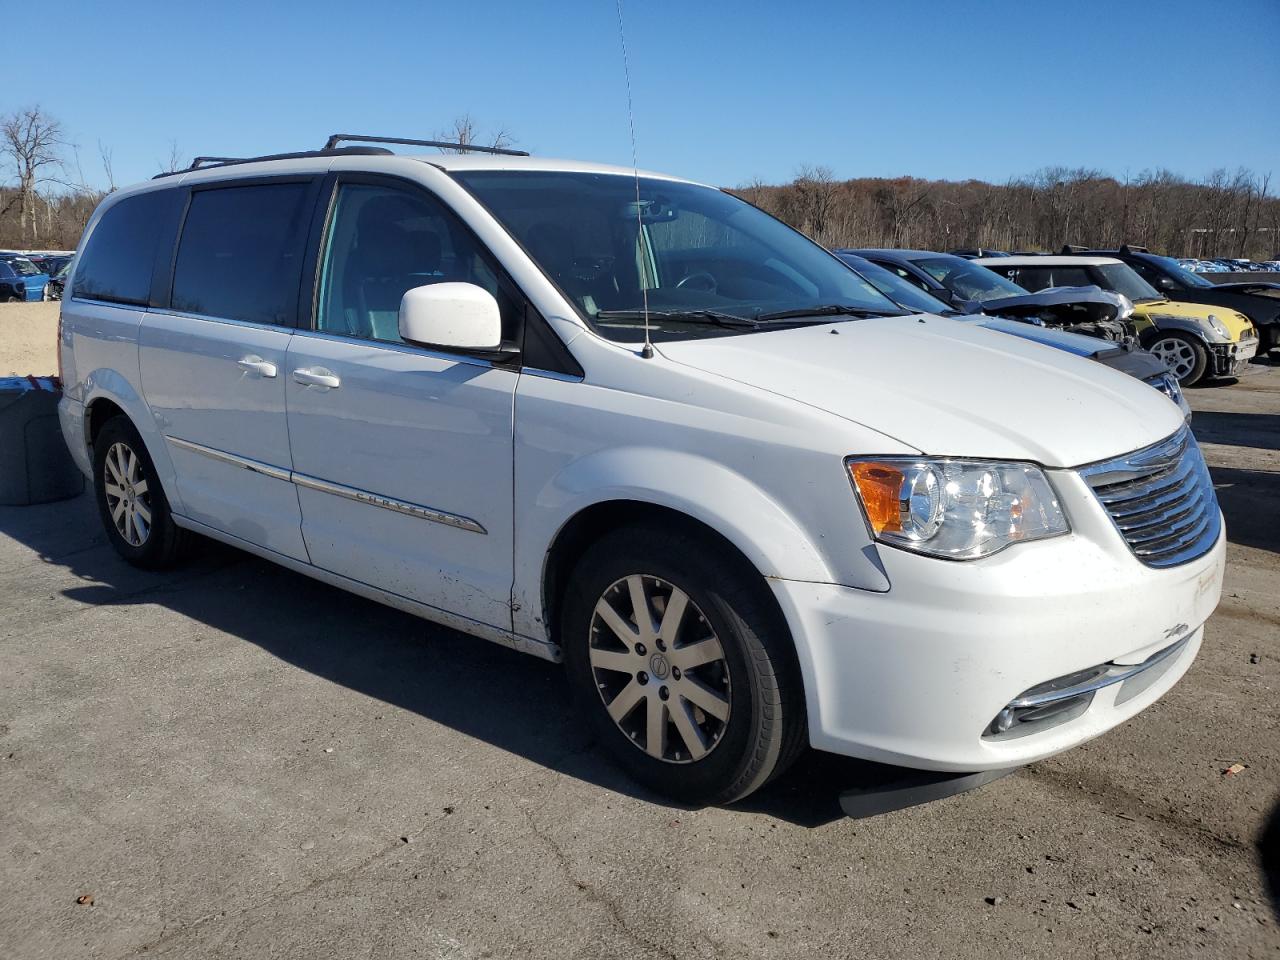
(163, 543)
(1192, 352)
(765, 728)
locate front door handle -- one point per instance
(317, 377)
(255, 364)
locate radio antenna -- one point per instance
(647, 352)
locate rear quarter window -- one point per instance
(241, 250)
(117, 261)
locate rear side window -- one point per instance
(240, 255)
(117, 261)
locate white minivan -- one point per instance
(635, 424)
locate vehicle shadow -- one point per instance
(1250, 506)
(1258, 430)
(510, 700)
(1269, 854)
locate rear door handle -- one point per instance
(317, 377)
(255, 364)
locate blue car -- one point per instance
(20, 279)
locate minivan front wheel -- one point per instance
(1186, 356)
(685, 671)
(131, 502)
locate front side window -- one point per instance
(240, 255)
(1121, 278)
(1178, 271)
(383, 241)
(24, 266)
(117, 261)
(697, 257)
(968, 280)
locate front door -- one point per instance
(402, 456)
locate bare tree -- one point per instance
(176, 160)
(32, 143)
(108, 167)
(466, 131)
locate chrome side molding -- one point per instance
(326, 486)
(253, 466)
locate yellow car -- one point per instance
(1195, 339)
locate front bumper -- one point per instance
(1230, 359)
(917, 676)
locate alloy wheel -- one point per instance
(660, 669)
(128, 494)
(1177, 353)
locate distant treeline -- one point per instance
(1221, 215)
(52, 223)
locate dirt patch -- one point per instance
(28, 339)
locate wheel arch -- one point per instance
(603, 517)
(1165, 325)
(111, 395)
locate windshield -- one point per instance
(700, 255)
(900, 291)
(970, 281)
(24, 266)
(1122, 278)
(1172, 266)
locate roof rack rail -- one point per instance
(203, 163)
(337, 138)
(1132, 248)
(1069, 248)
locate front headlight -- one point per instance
(956, 509)
(1167, 384)
(1219, 327)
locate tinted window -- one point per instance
(6, 272)
(969, 281)
(384, 241)
(117, 261)
(1070, 277)
(241, 252)
(1034, 279)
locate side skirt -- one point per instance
(537, 648)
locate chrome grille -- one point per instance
(1161, 500)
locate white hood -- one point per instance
(947, 388)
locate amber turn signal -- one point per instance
(880, 487)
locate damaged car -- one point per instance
(1196, 340)
(969, 287)
(1258, 300)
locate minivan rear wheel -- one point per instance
(131, 502)
(684, 668)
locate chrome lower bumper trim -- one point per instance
(1109, 674)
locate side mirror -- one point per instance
(457, 316)
(1167, 283)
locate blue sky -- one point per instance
(724, 92)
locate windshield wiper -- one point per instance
(680, 316)
(828, 310)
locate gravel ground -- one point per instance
(28, 339)
(235, 761)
